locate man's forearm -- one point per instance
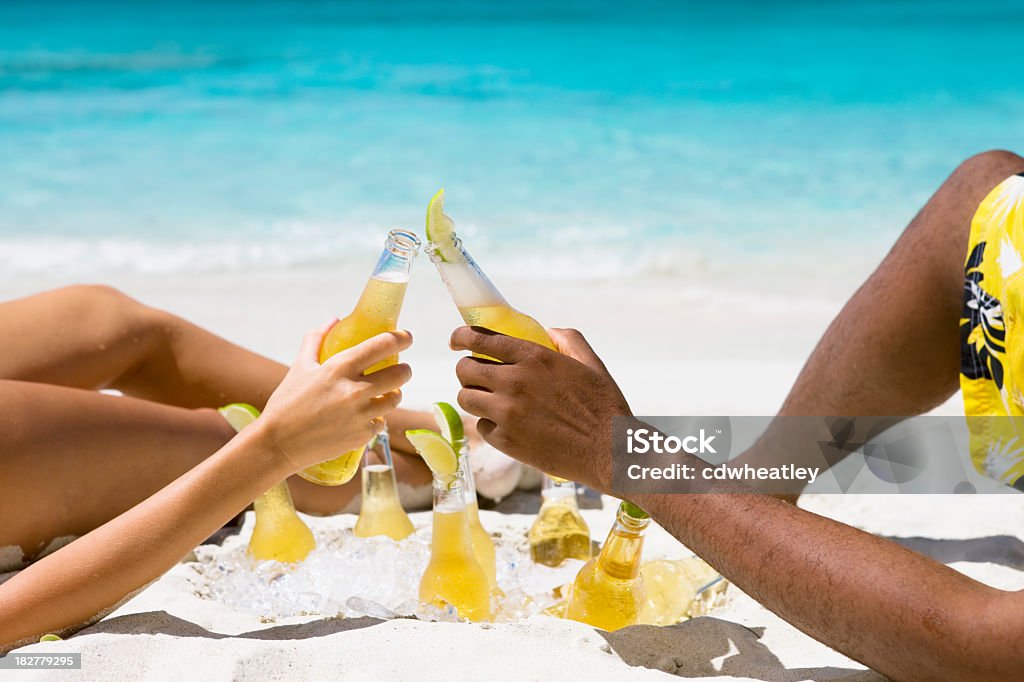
(885, 606)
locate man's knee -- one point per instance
(987, 169)
(948, 214)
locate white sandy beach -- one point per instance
(676, 349)
(168, 627)
(698, 187)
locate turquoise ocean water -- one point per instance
(582, 137)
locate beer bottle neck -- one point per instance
(620, 556)
(465, 472)
(467, 284)
(396, 259)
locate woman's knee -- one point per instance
(118, 315)
(99, 300)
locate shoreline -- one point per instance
(675, 344)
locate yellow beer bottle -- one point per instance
(380, 511)
(483, 545)
(608, 592)
(478, 300)
(279, 533)
(559, 531)
(454, 577)
(376, 312)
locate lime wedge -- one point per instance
(435, 451)
(634, 511)
(50, 638)
(441, 230)
(449, 423)
(239, 415)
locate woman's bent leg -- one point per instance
(95, 337)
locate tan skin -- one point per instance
(893, 350)
(315, 411)
(73, 458)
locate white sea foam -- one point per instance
(72, 255)
(89, 256)
(695, 266)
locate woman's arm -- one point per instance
(100, 568)
(316, 411)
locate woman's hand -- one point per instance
(319, 411)
(316, 412)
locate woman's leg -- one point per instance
(95, 337)
(74, 459)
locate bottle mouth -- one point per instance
(449, 494)
(633, 510)
(434, 249)
(632, 517)
(448, 484)
(403, 242)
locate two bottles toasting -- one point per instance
(477, 299)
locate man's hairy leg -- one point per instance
(894, 349)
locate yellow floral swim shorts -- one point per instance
(992, 335)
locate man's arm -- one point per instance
(892, 609)
(885, 606)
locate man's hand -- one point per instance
(551, 410)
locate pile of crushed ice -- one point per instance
(379, 577)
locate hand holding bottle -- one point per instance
(549, 409)
(321, 409)
(316, 411)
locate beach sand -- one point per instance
(169, 628)
(676, 349)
